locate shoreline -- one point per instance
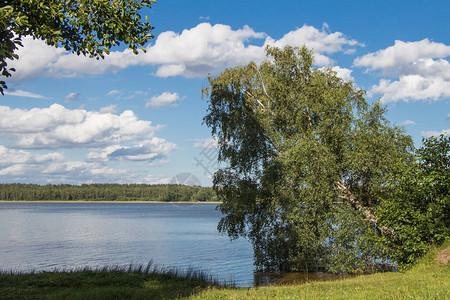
(103, 201)
(426, 280)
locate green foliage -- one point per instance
(307, 158)
(85, 27)
(106, 192)
(417, 207)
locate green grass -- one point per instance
(428, 279)
(106, 283)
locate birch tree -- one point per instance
(307, 158)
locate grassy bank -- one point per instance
(107, 283)
(429, 279)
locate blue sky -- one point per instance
(138, 119)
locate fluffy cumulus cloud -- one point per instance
(165, 99)
(36, 59)
(435, 133)
(59, 127)
(194, 52)
(11, 158)
(320, 41)
(19, 166)
(415, 70)
(107, 136)
(402, 54)
(412, 87)
(202, 49)
(149, 150)
(343, 73)
(25, 166)
(206, 48)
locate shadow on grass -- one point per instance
(107, 283)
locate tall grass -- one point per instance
(112, 282)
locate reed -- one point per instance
(109, 282)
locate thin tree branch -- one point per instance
(367, 213)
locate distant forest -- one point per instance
(106, 192)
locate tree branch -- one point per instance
(367, 213)
(262, 80)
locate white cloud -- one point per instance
(412, 87)
(319, 41)
(205, 48)
(72, 65)
(20, 93)
(435, 133)
(10, 158)
(114, 92)
(125, 95)
(24, 166)
(448, 117)
(194, 52)
(165, 99)
(343, 73)
(170, 70)
(207, 143)
(101, 156)
(109, 109)
(421, 70)
(72, 97)
(154, 179)
(58, 127)
(401, 54)
(149, 150)
(108, 136)
(408, 122)
(35, 59)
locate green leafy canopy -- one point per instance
(88, 27)
(417, 206)
(307, 158)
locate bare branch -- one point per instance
(259, 102)
(367, 213)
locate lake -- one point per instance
(49, 236)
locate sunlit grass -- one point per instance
(429, 279)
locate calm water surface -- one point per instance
(45, 236)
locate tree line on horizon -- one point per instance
(106, 192)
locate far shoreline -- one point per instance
(104, 201)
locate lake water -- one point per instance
(49, 236)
